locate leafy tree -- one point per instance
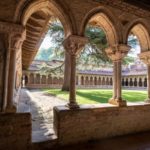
(93, 53)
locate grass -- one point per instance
(94, 96)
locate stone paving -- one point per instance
(40, 105)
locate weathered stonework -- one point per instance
(98, 122)
(15, 131)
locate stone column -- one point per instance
(16, 41)
(114, 80)
(145, 57)
(73, 45)
(148, 83)
(116, 54)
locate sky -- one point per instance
(46, 43)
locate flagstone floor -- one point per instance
(40, 106)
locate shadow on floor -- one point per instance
(139, 141)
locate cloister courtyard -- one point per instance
(74, 74)
(97, 96)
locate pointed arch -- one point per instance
(52, 9)
(141, 30)
(106, 20)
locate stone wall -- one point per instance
(15, 131)
(91, 123)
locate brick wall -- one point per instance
(73, 126)
(15, 131)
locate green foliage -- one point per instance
(44, 54)
(92, 55)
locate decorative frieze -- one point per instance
(16, 39)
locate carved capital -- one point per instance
(117, 52)
(74, 44)
(16, 39)
(145, 57)
(6, 27)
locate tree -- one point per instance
(93, 53)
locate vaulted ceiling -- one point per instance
(36, 28)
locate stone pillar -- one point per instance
(16, 41)
(116, 54)
(114, 80)
(79, 80)
(73, 45)
(145, 57)
(148, 83)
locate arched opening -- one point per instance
(31, 78)
(131, 82)
(49, 79)
(26, 79)
(111, 81)
(140, 82)
(43, 79)
(38, 78)
(138, 38)
(95, 80)
(145, 82)
(135, 82)
(99, 81)
(86, 80)
(123, 84)
(37, 18)
(107, 81)
(126, 82)
(82, 80)
(98, 27)
(91, 80)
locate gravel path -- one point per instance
(40, 105)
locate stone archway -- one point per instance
(140, 29)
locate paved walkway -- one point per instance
(40, 105)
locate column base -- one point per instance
(73, 105)
(11, 109)
(118, 102)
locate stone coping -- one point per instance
(104, 106)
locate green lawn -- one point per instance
(93, 96)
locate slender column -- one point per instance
(15, 45)
(148, 81)
(72, 96)
(73, 45)
(119, 70)
(115, 80)
(116, 54)
(12, 72)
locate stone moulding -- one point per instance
(145, 57)
(11, 27)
